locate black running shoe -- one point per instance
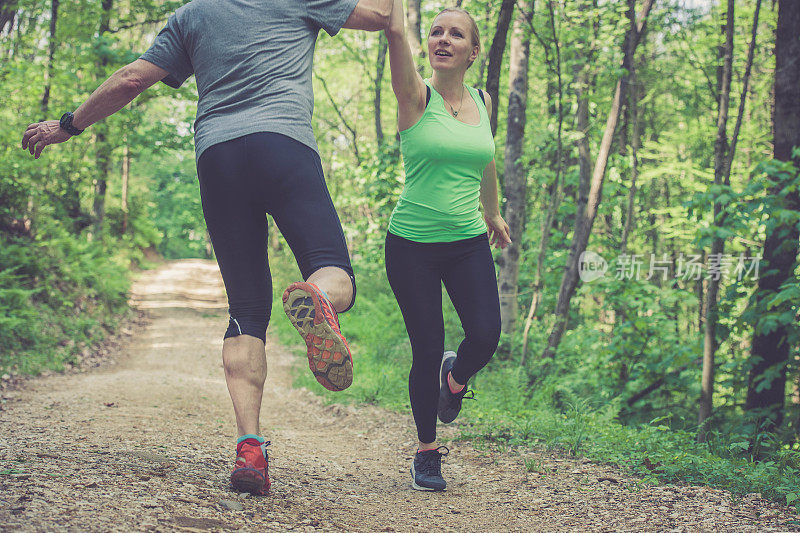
(426, 471)
(449, 403)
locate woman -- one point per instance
(436, 233)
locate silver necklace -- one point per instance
(461, 104)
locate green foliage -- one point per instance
(58, 294)
(178, 215)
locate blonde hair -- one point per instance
(476, 38)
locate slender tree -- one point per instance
(632, 116)
(51, 52)
(496, 51)
(585, 76)
(414, 30)
(555, 190)
(126, 167)
(101, 136)
(514, 175)
(711, 319)
(718, 245)
(380, 66)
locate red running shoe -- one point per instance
(315, 318)
(252, 468)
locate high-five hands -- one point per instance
(499, 233)
(41, 134)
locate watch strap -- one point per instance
(66, 124)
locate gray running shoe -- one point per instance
(426, 470)
(449, 403)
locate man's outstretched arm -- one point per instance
(115, 93)
(370, 15)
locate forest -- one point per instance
(648, 155)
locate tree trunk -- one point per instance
(554, 198)
(101, 139)
(584, 153)
(380, 66)
(414, 30)
(743, 100)
(725, 161)
(584, 81)
(635, 143)
(126, 166)
(630, 116)
(583, 227)
(496, 51)
(771, 350)
(8, 10)
(718, 245)
(700, 290)
(515, 175)
(48, 73)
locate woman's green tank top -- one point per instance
(444, 160)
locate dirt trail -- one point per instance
(146, 444)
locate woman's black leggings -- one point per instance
(416, 272)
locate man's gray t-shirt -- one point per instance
(252, 61)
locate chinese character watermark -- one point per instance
(687, 267)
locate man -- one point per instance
(256, 154)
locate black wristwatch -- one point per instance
(66, 124)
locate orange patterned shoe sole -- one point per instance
(328, 353)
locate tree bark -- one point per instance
(8, 10)
(771, 350)
(414, 31)
(717, 245)
(584, 81)
(630, 210)
(380, 66)
(515, 175)
(496, 51)
(126, 166)
(101, 138)
(584, 152)
(583, 227)
(51, 52)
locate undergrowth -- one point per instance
(59, 294)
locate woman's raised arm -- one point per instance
(409, 89)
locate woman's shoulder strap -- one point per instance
(482, 98)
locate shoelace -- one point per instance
(432, 462)
(462, 394)
(263, 449)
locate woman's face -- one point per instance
(450, 42)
